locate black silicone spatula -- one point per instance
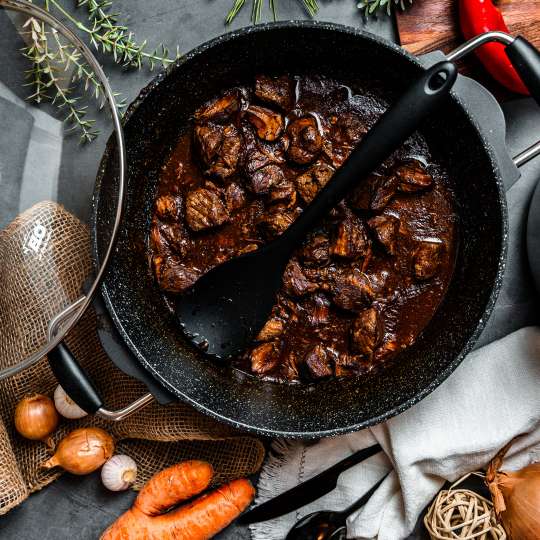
(225, 309)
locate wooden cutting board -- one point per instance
(429, 25)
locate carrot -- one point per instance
(198, 520)
(173, 485)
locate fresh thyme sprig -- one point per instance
(53, 62)
(370, 6)
(310, 6)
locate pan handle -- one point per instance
(76, 382)
(526, 60)
(79, 387)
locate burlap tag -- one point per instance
(44, 259)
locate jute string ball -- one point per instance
(462, 514)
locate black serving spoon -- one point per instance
(327, 524)
(226, 307)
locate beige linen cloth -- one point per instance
(34, 286)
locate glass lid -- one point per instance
(56, 114)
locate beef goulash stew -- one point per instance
(365, 282)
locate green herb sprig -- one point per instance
(52, 60)
(371, 6)
(310, 6)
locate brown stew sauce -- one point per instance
(367, 280)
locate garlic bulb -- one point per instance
(66, 406)
(119, 473)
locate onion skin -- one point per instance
(82, 451)
(36, 417)
(516, 497)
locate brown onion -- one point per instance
(36, 417)
(516, 497)
(82, 451)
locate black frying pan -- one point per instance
(153, 124)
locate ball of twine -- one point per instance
(462, 514)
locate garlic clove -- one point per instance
(119, 473)
(66, 406)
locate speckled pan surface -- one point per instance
(154, 122)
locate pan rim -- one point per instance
(443, 374)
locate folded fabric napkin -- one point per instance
(492, 397)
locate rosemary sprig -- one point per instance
(310, 6)
(116, 39)
(50, 60)
(370, 6)
(46, 76)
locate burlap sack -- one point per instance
(47, 245)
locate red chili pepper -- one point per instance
(477, 17)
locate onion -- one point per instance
(516, 497)
(82, 451)
(35, 417)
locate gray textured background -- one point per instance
(81, 508)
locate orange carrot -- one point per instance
(198, 520)
(173, 485)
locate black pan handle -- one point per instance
(80, 388)
(526, 60)
(74, 379)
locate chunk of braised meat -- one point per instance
(360, 197)
(383, 191)
(220, 109)
(373, 192)
(289, 367)
(167, 237)
(316, 252)
(386, 229)
(413, 177)
(350, 240)
(235, 197)
(220, 148)
(351, 290)
(346, 364)
(286, 308)
(427, 259)
(277, 220)
(284, 192)
(345, 132)
(348, 129)
(208, 139)
(275, 90)
(367, 332)
(309, 183)
(305, 140)
(172, 275)
(295, 282)
(264, 178)
(168, 207)
(272, 329)
(318, 361)
(205, 208)
(267, 123)
(387, 349)
(319, 310)
(259, 154)
(264, 357)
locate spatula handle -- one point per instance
(399, 121)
